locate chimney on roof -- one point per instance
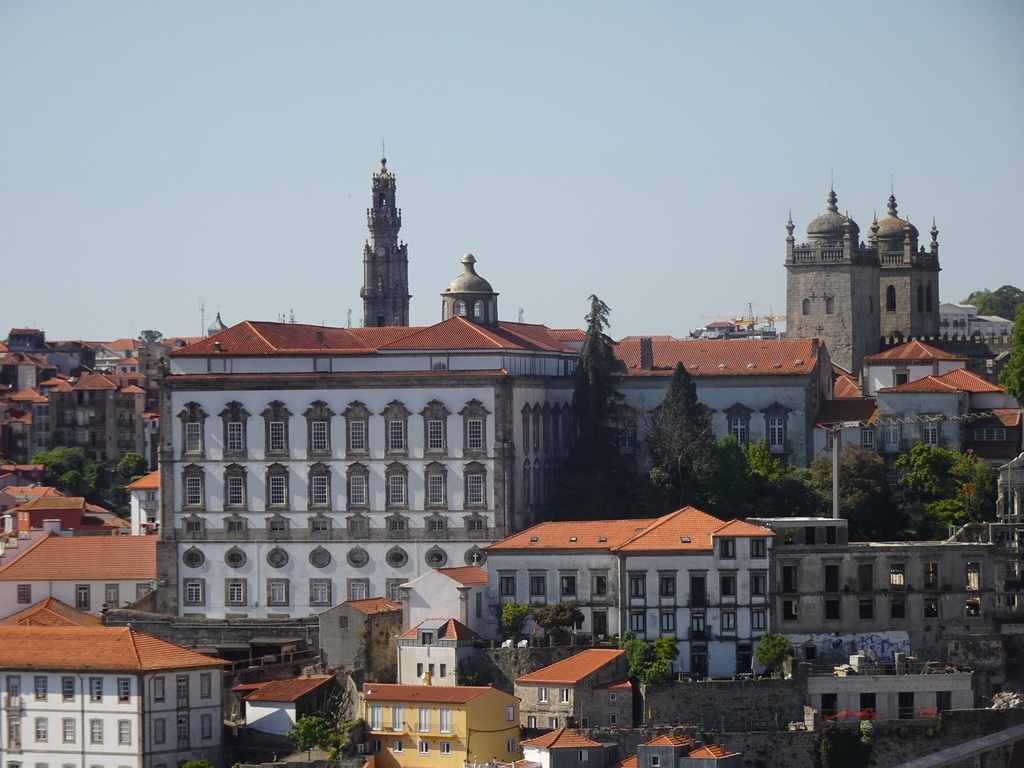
(814, 347)
(216, 346)
(319, 337)
(646, 354)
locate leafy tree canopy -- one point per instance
(772, 649)
(559, 615)
(513, 618)
(69, 469)
(132, 466)
(951, 488)
(312, 731)
(197, 764)
(1012, 375)
(864, 497)
(150, 336)
(645, 664)
(1002, 302)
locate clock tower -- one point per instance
(385, 290)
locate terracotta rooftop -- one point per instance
(573, 669)
(46, 501)
(370, 605)
(617, 685)
(629, 762)
(150, 482)
(466, 575)
(289, 690)
(711, 750)
(452, 629)
(845, 385)
(958, 380)
(850, 409)
(442, 694)
(95, 648)
(59, 558)
(560, 738)
(578, 534)
(51, 612)
(722, 357)
(668, 740)
(912, 351)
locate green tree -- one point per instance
(150, 336)
(729, 491)
(557, 618)
(772, 650)
(680, 440)
(594, 480)
(1002, 302)
(949, 487)
(513, 618)
(644, 664)
(312, 731)
(1012, 375)
(69, 469)
(864, 496)
(132, 466)
(197, 764)
(666, 648)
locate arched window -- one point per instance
(830, 305)
(478, 310)
(807, 306)
(890, 299)
(460, 308)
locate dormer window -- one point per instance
(426, 638)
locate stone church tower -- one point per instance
(850, 294)
(385, 290)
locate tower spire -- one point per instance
(385, 290)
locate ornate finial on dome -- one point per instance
(790, 226)
(892, 206)
(832, 201)
(469, 260)
(935, 231)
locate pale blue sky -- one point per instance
(158, 155)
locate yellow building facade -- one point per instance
(424, 726)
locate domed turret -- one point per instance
(216, 326)
(831, 226)
(892, 227)
(470, 296)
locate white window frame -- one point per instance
(435, 489)
(475, 489)
(319, 437)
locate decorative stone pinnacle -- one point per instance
(832, 201)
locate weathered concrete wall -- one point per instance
(192, 632)
(500, 667)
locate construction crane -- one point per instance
(835, 429)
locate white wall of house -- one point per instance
(270, 716)
(87, 595)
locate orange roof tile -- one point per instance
(722, 357)
(668, 740)
(32, 490)
(629, 762)
(850, 409)
(575, 668)
(711, 750)
(370, 605)
(845, 385)
(957, 380)
(913, 351)
(150, 482)
(452, 630)
(578, 534)
(292, 689)
(85, 557)
(44, 502)
(51, 612)
(443, 694)
(742, 528)
(95, 648)
(561, 738)
(466, 575)
(618, 685)
(687, 529)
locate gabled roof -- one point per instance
(447, 629)
(150, 482)
(912, 351)
(560, 738)
(688, 529)
(51, 612)
(844, 385)
(722, 357)
(94, 381)
(466, 575)
(578, 534)
(668, 740)
(627, 762)
(442, 694)
(292, 689)
(957, 380)
(47, 501)
(370, 605)
(93, 648)
(59, 558)
(459, 333)
(573, 669)
(711, 750)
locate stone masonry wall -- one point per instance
(736, 705)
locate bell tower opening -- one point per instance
(385, 290)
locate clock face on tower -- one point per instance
(380, 250)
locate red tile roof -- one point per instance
(442, 694)
(845, 385)
(150, 482)
(560, 738)
(688, 529)
(45, 501)
(913, 351)
(459, 333)
(51, 612)
(618, 685)
(466, 575)
(722, 357)
(578, 534)
(370, 605)
(94, 648)
(958, 380)
(667, 740)
(629, 762)
(711, 750)
(453, 630)
(289, 690)
(573, 669)
(85, 557)
(851, 409)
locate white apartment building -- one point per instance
(105, 697)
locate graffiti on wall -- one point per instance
(882, 645)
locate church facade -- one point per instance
(850, 293)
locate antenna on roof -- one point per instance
(202, 318)
(520, 314)
(831, 178)
(892, 184)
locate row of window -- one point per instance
(924, 301)
(277, 482)
(278, 592)
(833, 582)
(83, 594)
(277, 432)
(425, 721)
(444, 748)
(667, 624)
(68, 730)
(279, 526)
(637, 584)
(931, 608)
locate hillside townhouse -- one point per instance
(437, 727)
(74, 514)
(100, 415)
(110, 697)
(563, 748)
(686, 575)
(435, 652)
(144, 503)
(588, 689)
(87, 572)
(459, 592)
(363, 633)
(51, 612)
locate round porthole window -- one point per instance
(193, 558)
(396, 558)
(436, 557)
(319, 557)
(475, 556)
(235, 557)
(277, 557)
(357, 557)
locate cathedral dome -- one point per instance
(831, 225)
(892, 227)
(469, 281)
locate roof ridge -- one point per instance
(135, 649)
